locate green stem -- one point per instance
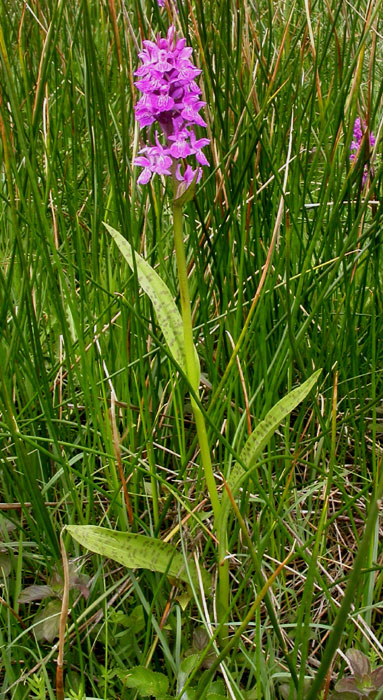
(192, 363)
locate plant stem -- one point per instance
(192, 363)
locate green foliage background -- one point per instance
(283, 83)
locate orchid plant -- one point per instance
(168, 113)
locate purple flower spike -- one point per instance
(359, 131)
(170, 98)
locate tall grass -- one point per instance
(280, 225)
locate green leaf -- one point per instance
(47, 621)
(377, 678)
(145, 681)
(5, 564)
(359, 662)
(187, 666)
(35, 592)
(257, 441)
(137, 619)
(136, 551)
(217, 687)
(285, 690)
(169, 318)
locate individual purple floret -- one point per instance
(171, 100)
(155, 161)
(358, 134)
(162, 3)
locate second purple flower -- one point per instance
(358, 133)
(171, 100)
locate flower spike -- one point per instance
(170, 99)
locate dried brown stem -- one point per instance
(63, 619)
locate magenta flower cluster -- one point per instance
(171, 101)
(356, 143)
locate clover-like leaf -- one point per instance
(364, 683)
(359, 663)
(187, 666)
(5, 564)
(76, 581)
(349, 684)
(35, 592)
(217, 687)
(56, 586)
(284, 689)
(345, 695)
(48, 621)
(145, 681)
(377, 678)
(200, 641)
